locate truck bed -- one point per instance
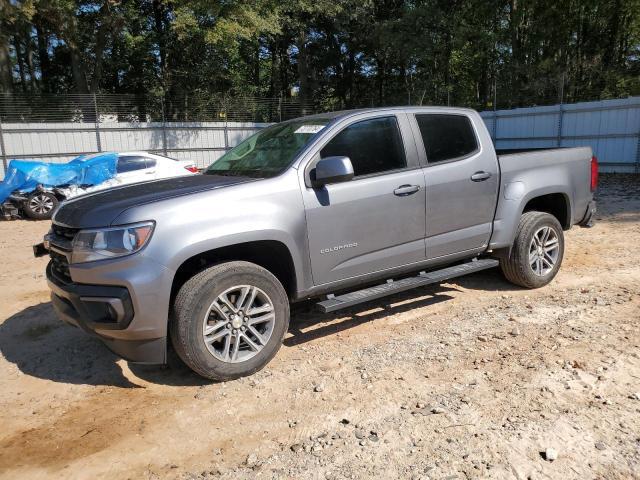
(528, 173)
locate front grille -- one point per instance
(60, 267)
(60, 239)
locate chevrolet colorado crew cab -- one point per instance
(342, 207)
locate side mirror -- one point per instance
(332, 170)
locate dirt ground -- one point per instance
(470, 379)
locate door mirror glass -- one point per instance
(332, 170)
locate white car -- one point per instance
(136, 167)
(132, 167)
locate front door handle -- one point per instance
(404, 190)
(480, 176)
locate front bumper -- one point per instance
(107, 312)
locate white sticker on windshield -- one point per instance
(309, 129)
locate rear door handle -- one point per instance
(404, 190)
(480, 176)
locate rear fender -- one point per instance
(511, 205)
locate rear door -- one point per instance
(376, 221)
(461, 183)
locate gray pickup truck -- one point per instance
(343, 207)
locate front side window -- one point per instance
(446, 137)
(374, 146)
(268, 152)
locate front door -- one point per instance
(377, 220)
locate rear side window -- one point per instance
(374, 146)
(446, 137)
(130, 164)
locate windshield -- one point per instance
(269, 152)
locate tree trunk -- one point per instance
(99, 56)
(43, 57)
(516, 49)
(274, 82)
(77, 70)
(158, 16)
(351, 70)
(29, 61)
(610, 54)
(381, 64)
(256, 68)
(303, 73)
(6, 79)
(21, 67)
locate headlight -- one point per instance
(103, 243)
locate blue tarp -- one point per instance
(25, 176)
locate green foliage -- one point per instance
(329, 53)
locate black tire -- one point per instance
(194, 301)
(517, 268)
(40, 205)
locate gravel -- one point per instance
(379, 369)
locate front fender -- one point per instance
(269, 209)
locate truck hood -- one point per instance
(100, 209)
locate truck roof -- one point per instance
(348, 113)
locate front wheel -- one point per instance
(537, 251)
(229, 320)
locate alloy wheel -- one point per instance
(544, 250)
(41, 204)
(238, 324)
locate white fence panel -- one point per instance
(201, 142)
(37, 139)
(122, 137)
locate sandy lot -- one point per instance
(470, 379)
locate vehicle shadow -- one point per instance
(40, 345)
(305, 319)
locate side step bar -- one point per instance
(334, 303)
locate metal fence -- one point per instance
(610, 127)
(58, 128)
(111, 108)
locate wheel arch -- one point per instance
(513, 202)
(272, 255)
(557, 204)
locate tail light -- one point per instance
(192, 168)
(594, 173)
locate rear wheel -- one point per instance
(229, 320)
(537, 251)
(40, 205)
